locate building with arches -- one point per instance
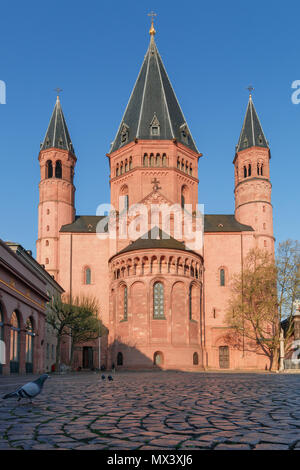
(25, 289)
(163, 303)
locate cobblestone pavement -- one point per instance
(155, 410)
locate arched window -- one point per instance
(158, 300)
(124, 198)
(151, 159)
(158, 358)
(119, 359)
(182, 165)
(130, 163)
(58, 169)
(195, 359)
(49, 169)
(145, 160)
(14, 342)
(126, 166)
(158, 160)
(190, 303)
(186, 167)
(117, 170)
(178, 163)
(245, 172)
(249, 169)
(222, 277)
(87, 276)
(125, 303)
(184, 192)
(29, 346)
(164, 160)
(121, 168)
(261, 169)
(191, 170)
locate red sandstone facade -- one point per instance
(163, 304)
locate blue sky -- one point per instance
(94, 49)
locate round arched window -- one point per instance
(158, 358)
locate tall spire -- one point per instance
(252, 134)
(57, 135)
(153, 111)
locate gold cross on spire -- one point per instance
(152, 30)
(58, 90)
(250, 89)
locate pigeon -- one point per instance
(103, 377)
(29, 390)
(110, 378)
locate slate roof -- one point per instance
(212, 223)
(57, 135)
(224, 223)
(252, 133)
(153, 102)
(154, 239)
(84, 224)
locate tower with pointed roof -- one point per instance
(252, 179)
(56, 189)
(153, 141)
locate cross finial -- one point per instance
(152, 30)
(58, 90)
(250, 89)
(155, 183)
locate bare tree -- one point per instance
(262, 296)
(252, 314)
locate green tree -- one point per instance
(74, 317)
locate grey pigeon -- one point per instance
(29, 390)
(110, 378)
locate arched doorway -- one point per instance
(119, 359)
(195, 359)
(14, 343)
(224, 357)
(158, 358)
(29, 346)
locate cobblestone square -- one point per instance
(155, 410)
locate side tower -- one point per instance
(252, 180)
(56, 203)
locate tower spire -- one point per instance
(153, 111)
(252, 134)
(57, 135)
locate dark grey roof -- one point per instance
(252, 133)
(224, 223)
(57, 135)
(155, 238)
(212, 223)
(84, 224)
(153, 102)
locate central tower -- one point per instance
(156, 315)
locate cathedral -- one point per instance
(162, 300)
